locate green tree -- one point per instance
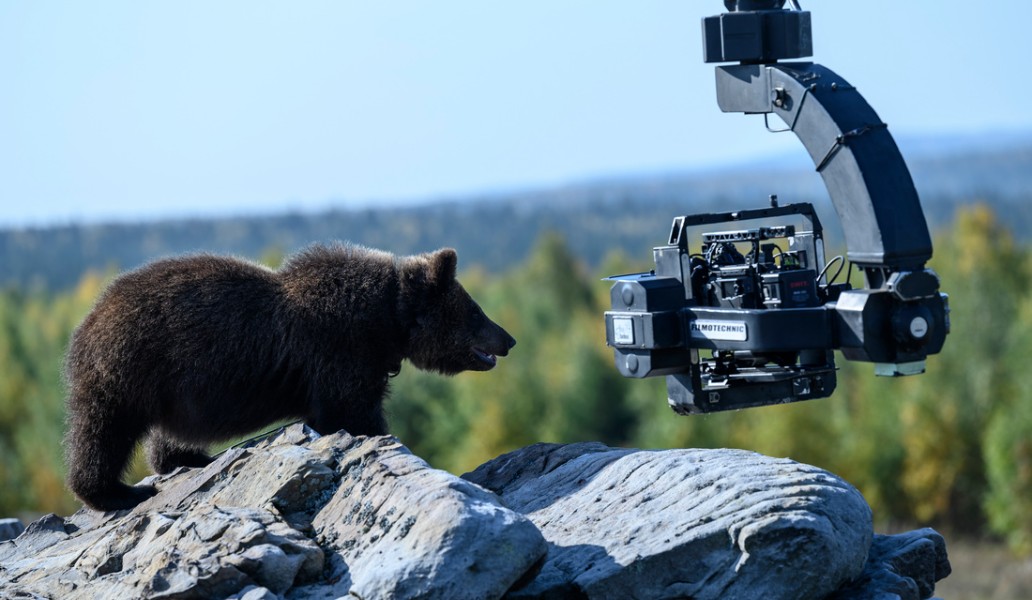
(1007, 441)
(34, 331)
(947, 413)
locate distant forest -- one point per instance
(629, 215)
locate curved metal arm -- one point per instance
(867, 178)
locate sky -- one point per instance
(140, 110)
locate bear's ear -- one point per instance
(442, 266)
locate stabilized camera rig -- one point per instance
(752, 317)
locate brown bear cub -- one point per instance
(195, 350)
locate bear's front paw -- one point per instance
(122, 497)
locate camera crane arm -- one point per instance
(863, 170)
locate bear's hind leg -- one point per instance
(98, 445)
(166, 454)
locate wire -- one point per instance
(260, 436)
(837, 259)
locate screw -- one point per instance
(627, 295)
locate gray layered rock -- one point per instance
(10, 529)
(903, 566)
(682, 523)
(300, 516)
(391, 508)
(336, 515)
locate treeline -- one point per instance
(951, 448)
(498, 231)
(493, 234)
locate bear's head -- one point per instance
(451, 333)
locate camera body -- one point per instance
(751, 318)
(754, 298)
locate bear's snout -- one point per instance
(506, 344)
(492, 342)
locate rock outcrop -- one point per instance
(904, 566)
(304, 516)
(707, 523)
(10, 529)
(299, 515)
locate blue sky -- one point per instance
(137, 110)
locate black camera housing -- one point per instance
(768, 321)
(759, 313)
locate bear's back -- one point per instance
(176, 312)
(176, 292)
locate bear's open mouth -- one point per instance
(485, 357)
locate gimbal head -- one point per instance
(772, 321)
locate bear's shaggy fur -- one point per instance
(195, 350)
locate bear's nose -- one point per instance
(510, 342)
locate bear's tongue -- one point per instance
(485, 356)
